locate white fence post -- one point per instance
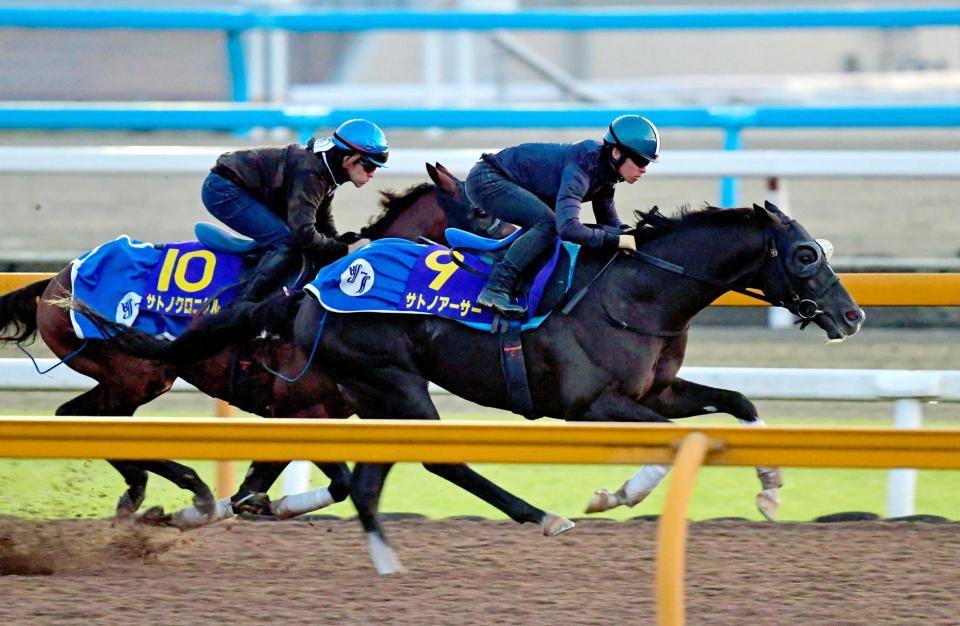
(296, 477)
(902, 483)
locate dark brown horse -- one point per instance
(612, 355)
(235, 373)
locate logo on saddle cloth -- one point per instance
(357, 279)
(188, 276)
(445, 282)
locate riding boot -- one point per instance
(269, 272)
(496, 293)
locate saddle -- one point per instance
(219, 239)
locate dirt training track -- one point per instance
(470, 572)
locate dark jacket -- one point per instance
(297, 185)
(564, 176)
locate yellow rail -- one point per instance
(16, 280)
(866, 289)
(886, 290)
(454, 442)
(251, 438)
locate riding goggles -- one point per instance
(368, 166)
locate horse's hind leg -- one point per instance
(92, 402)
(518, 510)
(132, 498)
(205, 508)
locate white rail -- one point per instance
(409, 162)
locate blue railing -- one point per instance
(305, 19)
(234, 20)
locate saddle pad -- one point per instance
(399, 276)
(156, 288)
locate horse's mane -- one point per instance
(652, 224)
(392, 205)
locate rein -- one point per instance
(806, 309)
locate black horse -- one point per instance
(611, 353)
(235, 372)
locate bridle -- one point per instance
(807, 309)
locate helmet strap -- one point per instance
(333, 160)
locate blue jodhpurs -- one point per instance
(499, 196)
(243, 213)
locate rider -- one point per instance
(540, 186)
(281, 197)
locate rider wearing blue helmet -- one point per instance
(540, 186)
(281, 197)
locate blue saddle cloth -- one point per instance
(399, 276)
(156, 288)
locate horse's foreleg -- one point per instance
(683, 398)
(518, 510)
(302, 503)
(365, 490)
(611, 406)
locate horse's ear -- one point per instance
(441, 168)
(442, 178)
(768, 212)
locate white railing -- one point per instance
(409, 162)
(907, 389)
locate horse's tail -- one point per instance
(206, 336)
(18, 312)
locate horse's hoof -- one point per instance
(768, 503)
(205, 503)
(154, 516)
(192, 517)
(601, 501)
(127, 505)
(254, 504)
(554, 525)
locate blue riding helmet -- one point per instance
(365, 137)
(635, 136)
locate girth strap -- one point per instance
(514, 369)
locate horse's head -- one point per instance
(797, 273)
(460, 212)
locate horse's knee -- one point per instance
(740, 407)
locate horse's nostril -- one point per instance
(853, 316)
